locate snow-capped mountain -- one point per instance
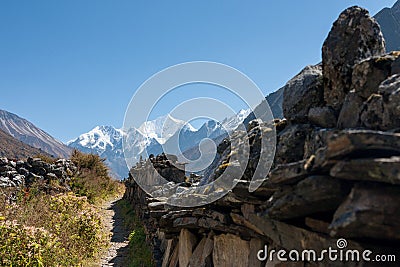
(163, 128)
(232, 123)
(105, 141)
(152, 137)
(98, 140)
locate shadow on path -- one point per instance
(118, 250)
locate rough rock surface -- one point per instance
(291, 140)
(361, 215)
(322, 116)
(369, 73)
(354, 36)
(230, 250)
(21, 174)
(302, 92)
(381, 111)
(335, 173)
(349, 116)
(187, 241)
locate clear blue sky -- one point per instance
(68, 66)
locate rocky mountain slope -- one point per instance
(15, 149)
(28, 133)
(274, 101)
(334, 183)
(389, 20)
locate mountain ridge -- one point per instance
(150, 138)
(389, 20)
(28, 133)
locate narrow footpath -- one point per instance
(117, 252)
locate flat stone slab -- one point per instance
(385, 170)
(370, 211)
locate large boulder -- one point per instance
(354, 36)
(303, 92)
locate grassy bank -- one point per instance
(44, 230)
(39, 229)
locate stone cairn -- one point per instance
(336, 172)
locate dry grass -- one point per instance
(44, 230)
(37, 229)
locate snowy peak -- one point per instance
(105, 141)
(230, 124)
(98, 138)
(163, 128)
(152, 137)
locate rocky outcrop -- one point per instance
(354, 36)
(274, 101)
(20, 174)
(335, 174)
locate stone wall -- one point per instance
(336, 173)
(22, 174)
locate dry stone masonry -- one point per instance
(21, 174)
(336, 172)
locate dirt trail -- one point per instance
(117, 252)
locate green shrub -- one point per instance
(140, 253)
(92, 179)
(25, 246)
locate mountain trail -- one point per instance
(114, 222)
